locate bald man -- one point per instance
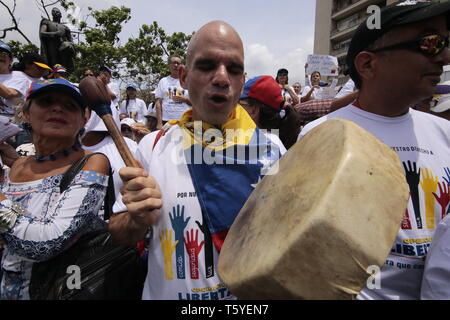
(195, 192)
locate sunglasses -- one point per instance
(429, 45)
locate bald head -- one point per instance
(214, 30)
(214, 72)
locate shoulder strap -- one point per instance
(70, 174)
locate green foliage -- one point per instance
(142, 60)
(19, 49)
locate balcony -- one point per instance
(354, 8)
(338, 35)
(340, 53)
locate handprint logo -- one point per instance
(447, 172)
(179, 224)
(193, 248)
(444, 198)
(209, 253)
(167, 249)
(413, 179)
(429, 186)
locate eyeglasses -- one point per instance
(88, 75)
(429, 45)
(175, 62)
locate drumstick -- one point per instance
(96, 96)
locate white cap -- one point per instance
(128, 121)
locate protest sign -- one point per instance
(326, 65)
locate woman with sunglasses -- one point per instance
(37, 220)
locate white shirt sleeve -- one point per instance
(436, 276)
(159, 92)
(348, 88)
(123, 108)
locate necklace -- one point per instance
(62, 154)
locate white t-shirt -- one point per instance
(187, 274)
(17, 81)
(421, 140)
(316, 94)
(136, 110)
(348, 88)
(109, 149)
(287, 96)
(116, 90)
(169, 87)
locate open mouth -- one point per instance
(219, 99)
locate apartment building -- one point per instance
(336, 22)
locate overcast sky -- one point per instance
(275, 34)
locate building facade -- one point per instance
(336, 22)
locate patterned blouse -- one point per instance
(51, 224)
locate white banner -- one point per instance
(326, 65)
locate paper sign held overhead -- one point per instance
(326, 65)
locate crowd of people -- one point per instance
(185, 208)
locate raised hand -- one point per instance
(179, 224)
(167, 247)
(193, 248)
(209, 251)
(444, 198)
(447, 172)
(429, 186)
(413, 179)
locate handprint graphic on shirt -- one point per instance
(209, 253)
(406, 222)
(167, 247)
(447, 172)
(429, 184)
(178, 225)
(413, 179)
(193, 248)
(444, 198)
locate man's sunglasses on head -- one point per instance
(429, 45)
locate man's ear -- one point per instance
(365, 64)
(182, 75)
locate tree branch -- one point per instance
(15, 23)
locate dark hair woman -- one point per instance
(37, 222)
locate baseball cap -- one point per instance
(6, 48)
(441, 98)
(264, 89)
(59, 85)
(105, 68)
(282, 71)
(128, 121)
(151, 114)
(35, 58)
(131, 85)
(395, 15)
(59, 69)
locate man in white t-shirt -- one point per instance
(97, 139)
(394, 68)
(200, 200)
(13, 86)
(171, 98)
(132, 106)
